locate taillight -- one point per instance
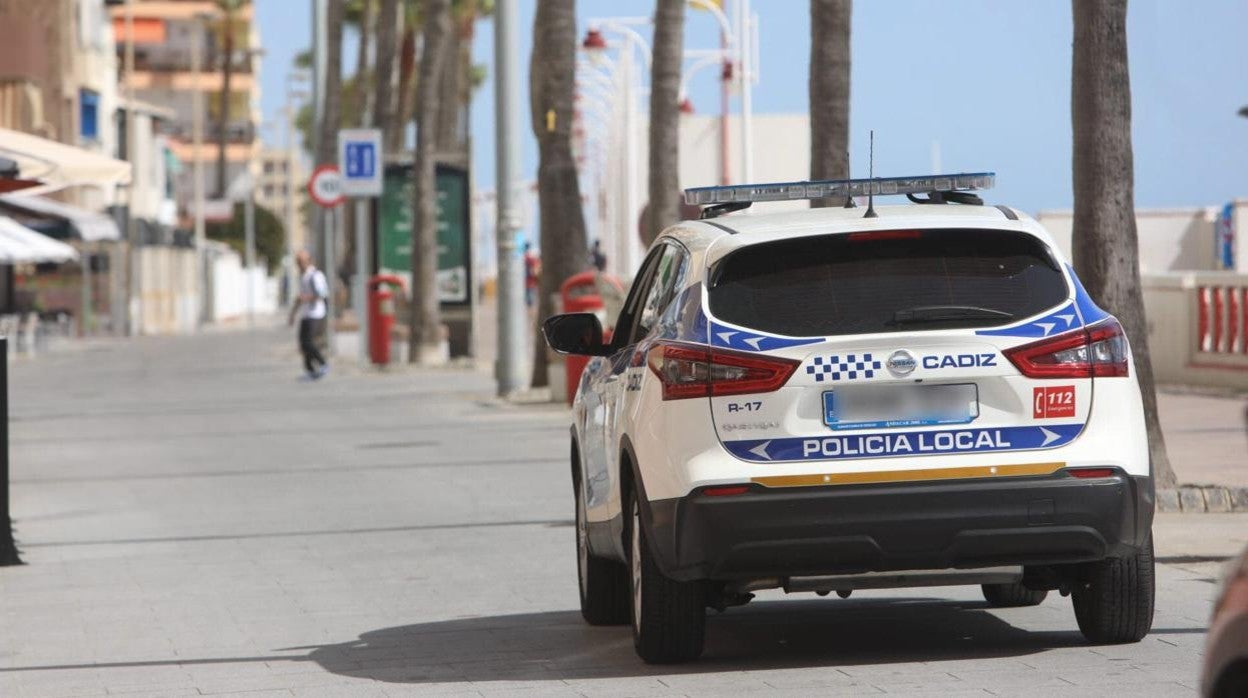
(726, 491)
(1087, 473)
(1099, 350)
(694, 371)
(885, 235)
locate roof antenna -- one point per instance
(849, 199)
(871, 181)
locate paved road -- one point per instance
(196, 521)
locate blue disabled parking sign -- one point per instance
(360, 160)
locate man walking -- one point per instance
(310, 307)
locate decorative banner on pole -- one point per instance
(359, 154)
(1224, 237)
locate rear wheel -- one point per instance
(1114, 597)
(603, 582)
(669, 617)
(1012, 595)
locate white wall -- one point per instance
(1181, 239)
(230, 288)
(1182, 346)
(167, 291)
(781, 151)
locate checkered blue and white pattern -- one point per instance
(849, 367)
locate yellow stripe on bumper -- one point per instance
(918, 475)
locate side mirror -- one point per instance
(574, 333)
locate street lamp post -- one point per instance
(509, 369)
(596, 44)
(288, 261)
(736, 58)
(197, 140)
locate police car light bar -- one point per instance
(840, 188)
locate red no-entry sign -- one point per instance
(325, 186)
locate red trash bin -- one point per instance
(381, 316)
(579, 294)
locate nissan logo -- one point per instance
(901, 362)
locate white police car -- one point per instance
(828, 400)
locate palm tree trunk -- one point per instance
(389, 17)
(223, 115)
(829, 92)
(552, 71)
(668, 54)
(449, 104)
(363, 85)
(425, 321)
(331, 121)
(407, 68)
(1105, 244)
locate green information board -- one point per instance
(454, 251)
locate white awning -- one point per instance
(58, 165)
(21, 244)
(89, 225)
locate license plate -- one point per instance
(867, 407)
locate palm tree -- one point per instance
(331, 112)
(360, 14)
(425, 320)
(669, 32)
(829, 92)
(1105, 245)
(552, 71)
(388, 23)
(229, 9)
(404, 104)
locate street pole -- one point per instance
(360, 287)
(331, 225)
(509, 370)
(197, 137)
(632, 202)
(136, 286)
(744, 52)
(320, 37)
(249, 250)
(8, 548)
(288, 257)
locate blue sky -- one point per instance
(989, 80)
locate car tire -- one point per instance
(668, 617)
(603, 583)
(1012, 595)
(1113, 598)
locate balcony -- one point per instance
(177, 59)
(237, 132)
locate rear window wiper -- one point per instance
(942, 313)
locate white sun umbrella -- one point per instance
(20, 244)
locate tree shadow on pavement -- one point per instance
(771, 635)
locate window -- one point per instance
(661, 290)
(88, 115)
(898, 281)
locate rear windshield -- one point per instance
(895, 281)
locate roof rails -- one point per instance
(942, 188)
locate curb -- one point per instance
(1210, 499)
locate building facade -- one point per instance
(167, 35)
(58, 78)
(280, 188)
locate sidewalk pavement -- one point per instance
(196, 521)
(1206, 436)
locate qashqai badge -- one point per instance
(901, 362)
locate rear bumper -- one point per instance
(850, 529)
